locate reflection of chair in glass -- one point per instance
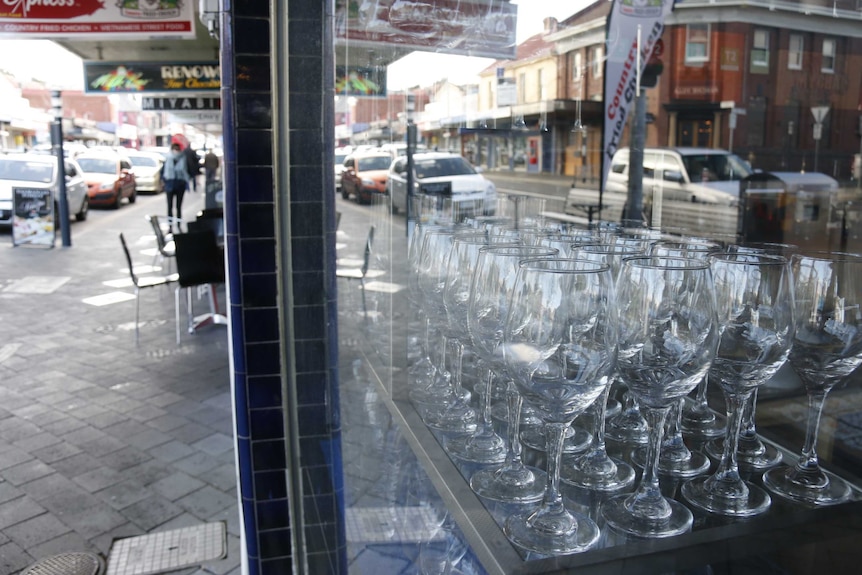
(166, 250)
(148, 282)
(361, 272)
(200, 262)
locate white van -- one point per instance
(701, 175)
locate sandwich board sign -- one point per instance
(33, 221)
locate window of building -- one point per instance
(522, 88)
(577, 67)
(598, 61)
(794, 51)
(760, 49)
(828, 62)
(696, 43)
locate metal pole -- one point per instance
(816, 152)
(634, 205)
(859, 178)
(62, 200)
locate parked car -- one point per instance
(40, 171)
(146, 166)
(109, 178)
(365, 175)
(445, 174)
(340, 156)
(701, 175)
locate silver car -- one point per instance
(40, 171)
(146, 166)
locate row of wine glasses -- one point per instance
(557, 325)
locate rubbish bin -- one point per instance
(787, 207)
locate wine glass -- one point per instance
(492, 285)
(560, 346)
(827, 347)
(752, 454)
(422, 371)
(483, 445)
(596, 469)
(667, 342)
(755, 302)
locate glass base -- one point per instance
(613, 409)
(629, 428)
(781, 482)
(457, 418)
(484, 448)
(697, 464)
(759, 458)
(542, 534)
(576, 441)
(620, 518)
(597, 473)
(754, 502)
(510, 485)
(529, 418)
(702, 424)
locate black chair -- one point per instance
(200, 262)
(360, 272)
(166, 250)
(148, 282)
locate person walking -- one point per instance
(193, 167)
(211, 164)
(175, 176)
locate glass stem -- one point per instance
(808, 460)
(700, 402)
(748, 428)
(728, 468)
(428, 338)
(486, 404)
(647, 502)
(513, 402)
(459, 362)
(554, 434)
(600, 407)
(443, 343)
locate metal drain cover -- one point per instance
(73, 563)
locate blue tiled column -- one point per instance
(280, 241)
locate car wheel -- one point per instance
(118, 200)
(85, 209)
(344, 193)
(133, 198)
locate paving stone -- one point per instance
(176, 485)
(215, 444)
(84, 435)
(197, 464)
(171, 451)
(27, 471)
(14, 429)
(205, 502)
(103, 542)
(167, 422)
(56, 452)
(68, 542)
(207, 414)
(75, 464)
(9, 492)
(106, 419)
(151, 512)
(37, 530)
(48, 486)
(13, 457)
(102, 446)
(147, 472)
(191, 432)
(124, 458)
(13, 558)
(70, 502)
(18, 510)
(164, 399)
(123, 494)
(37, 441)
(231, 562)
(97, 479)
(146, 413)
(94, 521)
(148, 438)
(63, 426)
(222, 477)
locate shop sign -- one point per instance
(33, 217)
(140, 77)
(78, 19)
(180, 104)
(469, 27)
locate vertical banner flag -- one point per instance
(621, 64)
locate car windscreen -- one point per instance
(439, 167)
(373, 163)
(144, 161)
(715, 167)
(40, 172)
(97, 165)
(339, 159)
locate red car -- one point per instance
(365, 176)
(109, 178)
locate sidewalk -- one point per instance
(99, 438)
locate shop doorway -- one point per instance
(695, 133)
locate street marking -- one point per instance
(108, 298)
(37, 284)
(119, 284)
(383, 287)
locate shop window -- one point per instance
(522, 88)
(696, 43)
(541, 85)
(794, 51)
(827, 65)
(760, 50)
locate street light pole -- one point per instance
(57, 137)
